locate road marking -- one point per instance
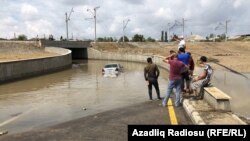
(16, 117)
(9, 121)
(171, 112)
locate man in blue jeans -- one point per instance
(175, 68)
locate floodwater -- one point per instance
(237, 86)
(82, 90)
(77, 92)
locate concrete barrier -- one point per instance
(217, 99)
(12, 70)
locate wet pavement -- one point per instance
(106, 126)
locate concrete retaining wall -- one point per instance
(13, 70)
(95, 54)
(66, 44)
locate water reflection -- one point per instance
(58, 97)
(237, 87)
(54, 98)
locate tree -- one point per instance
(207, 38)
(125, 39)
(3, 39)
(211, 35)
(138, 38)
(22, 37)
(149, 39)
(105, 39)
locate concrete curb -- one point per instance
(192, 113)
(196, 118)
(238, 119)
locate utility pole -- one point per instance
(183, 26)
(125, 23)
(227, 21)
(168, 32)
(183, 21)
(67, 20)
(94, 14)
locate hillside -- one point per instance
(224, 55)
(18, 50)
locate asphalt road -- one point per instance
(110, 125)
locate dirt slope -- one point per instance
(231, 55)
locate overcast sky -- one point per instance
(147, 17)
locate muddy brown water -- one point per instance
(238, 88)
(82, 90)
(77, 92)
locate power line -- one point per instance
(94, 15)
(125, 23)
(227, 21)
(67, 19)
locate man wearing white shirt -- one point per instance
(182, 43)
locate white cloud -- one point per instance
(205, 3)
(36, 27)
(237, 3)
(148, 17)
(9, 21)
(137, 30)
(163, 12)
(29, 11)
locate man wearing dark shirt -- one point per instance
(151, 74)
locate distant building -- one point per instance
(245, 37)
(195, 38)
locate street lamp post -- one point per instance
(94, 14)
(125, 23)
(67, 20)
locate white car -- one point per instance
(111, 69)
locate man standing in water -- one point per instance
(151, 74)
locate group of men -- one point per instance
(181, 67)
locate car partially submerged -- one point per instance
(111, 69)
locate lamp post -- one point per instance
(125, 23)
(67, 20)
(94, 14)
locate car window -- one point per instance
(111, 66)
(108, 66)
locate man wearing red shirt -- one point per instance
(176, 67)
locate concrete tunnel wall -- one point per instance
(78, 48)
(79, 53)
(13, 70)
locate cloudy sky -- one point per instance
(147, 17)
